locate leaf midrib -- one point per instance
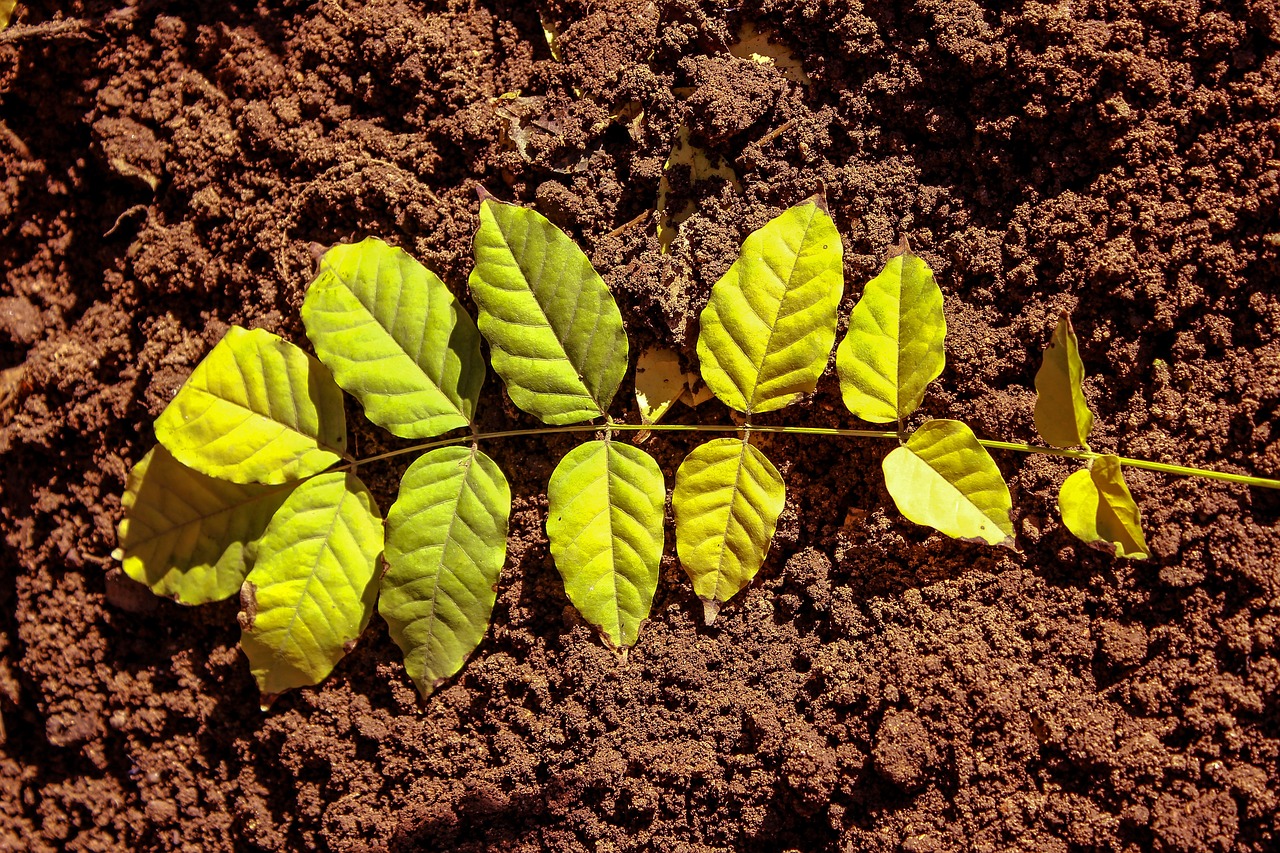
(542, 312)
(752, 402)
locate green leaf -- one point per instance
(1097, 507)
(7, 8)
(311, 591)
(554, 331)
(726, 502)
(942, 477)
(257, 409)
(446, 543)
(604, 520)
(894, 346)
(770, 324)
(1063, 417)
(189, 536)
(395, 338)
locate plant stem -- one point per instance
(1084, 455)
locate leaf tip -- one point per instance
(118, 555)
(710, 610)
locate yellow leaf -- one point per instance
(942, 477)
(1063, 417)
(1098, 508)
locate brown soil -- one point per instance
(166, 171)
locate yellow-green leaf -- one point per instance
(7, 8)
(395, 338)
(726, 503)
(605, 507)
(769, 326)
(895, 344)
(1098, 508)
(942, 477)
(554, 330)
(257, 409)
(446, 543)
(1063, 416)
(312, 588)
(190, 536)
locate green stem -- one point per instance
(1084, 455)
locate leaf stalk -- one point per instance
(832, 432)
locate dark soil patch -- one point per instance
(165, 169)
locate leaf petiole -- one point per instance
(1018, 447)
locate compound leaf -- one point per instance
(605, 507)
(256, 409)
(554, 330)
(446, 543)
(894, 346)
(770, 324)
(395, 338)
(942, 477)
(1098, 508)
(726, 502)
(190, 536)
(1063, 416)
(311, 591)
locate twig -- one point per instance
(66, 28)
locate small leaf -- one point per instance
(395, 338)
(554, 330)
(446, 543)
(312, 588)
(189, 536)
(1063, 416)
(257, 409)
(660, 381)
(769, 326)
(942, 477)
(605, 507)
(894, 346)
(726, 502)
(7, 8)
(1098, 508)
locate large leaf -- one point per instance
(944, 478)
(1098, 508)
(726, 502)
(554, 331)
(257, 409)
(1063, 416)
(311, 591)
(395, 338)
(446, 543)
(770, 324)
(604, 521)
(190, 536)
(894, 346)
